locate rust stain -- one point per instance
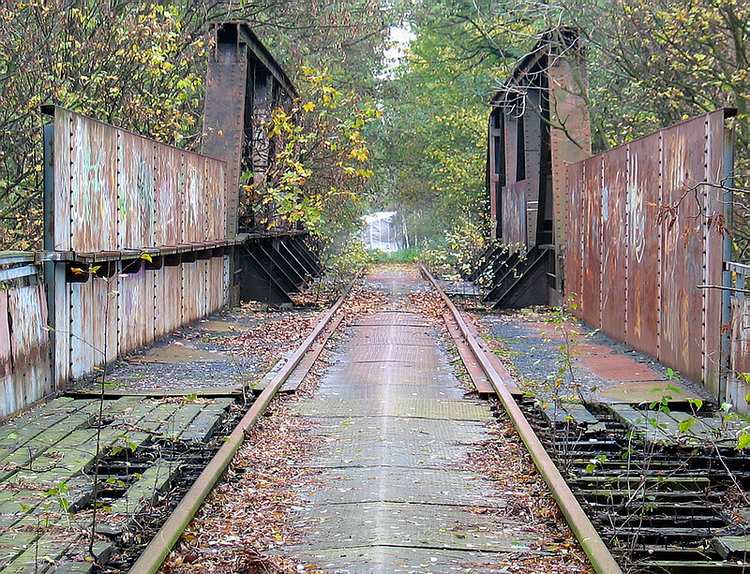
(634, 264)
(619, 368)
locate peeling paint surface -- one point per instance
(633, 262)
(115, 190)
(514, 213)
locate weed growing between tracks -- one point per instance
(503, 459)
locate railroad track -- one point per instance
(661, 509)
(294, 369)
(640, 492)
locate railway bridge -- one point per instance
(176, 398)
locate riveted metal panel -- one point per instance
(227, 279)
(93, 322)
(659, 245)
(119, 190)
(510, 127)
(614, 243)
(167, 299)
(194, 210)
(93, 185)
(203, 277)
(591, 233)
(533, 150)
(29, 343)
(215, 202)
(514, 213)
(193, 290)
(215, 284)
(573, 251)
(682, 263)
(170, 182)
(643, 244)
(738, 389)
(135, 191)
(133, 306)
(8, 403)
(715, 201)
(570, 131)
(224, 119)
(62, 161)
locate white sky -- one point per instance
(399, 39)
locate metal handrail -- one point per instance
(17, 264)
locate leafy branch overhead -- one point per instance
(321, 166)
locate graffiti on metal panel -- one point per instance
(636, 213)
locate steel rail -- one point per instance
(162, 543)
(601, 559)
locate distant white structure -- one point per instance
(383, 231)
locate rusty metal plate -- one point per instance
(133, 303)
(193, 209)
(215, 202)
(682, 305)
(224, 119)
(737, 388)
(715, 200)
(62, 173)
(533, 148)
(93, 324)
(573, 252)
(170, 175)
(614, 243)
(215, 293)
(568, 107)
(405, 407)
(619, 368)
(29, 343)
(514, 213)
(511, 151)
(740, 335)
(643, 244)
(119, 190)
(8, 403)
(93, 185)
(167, 300)
(189, 281)
(135, 190)
(592, 241)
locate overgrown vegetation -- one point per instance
(650, 64)
(410, 255)
(142, 65)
